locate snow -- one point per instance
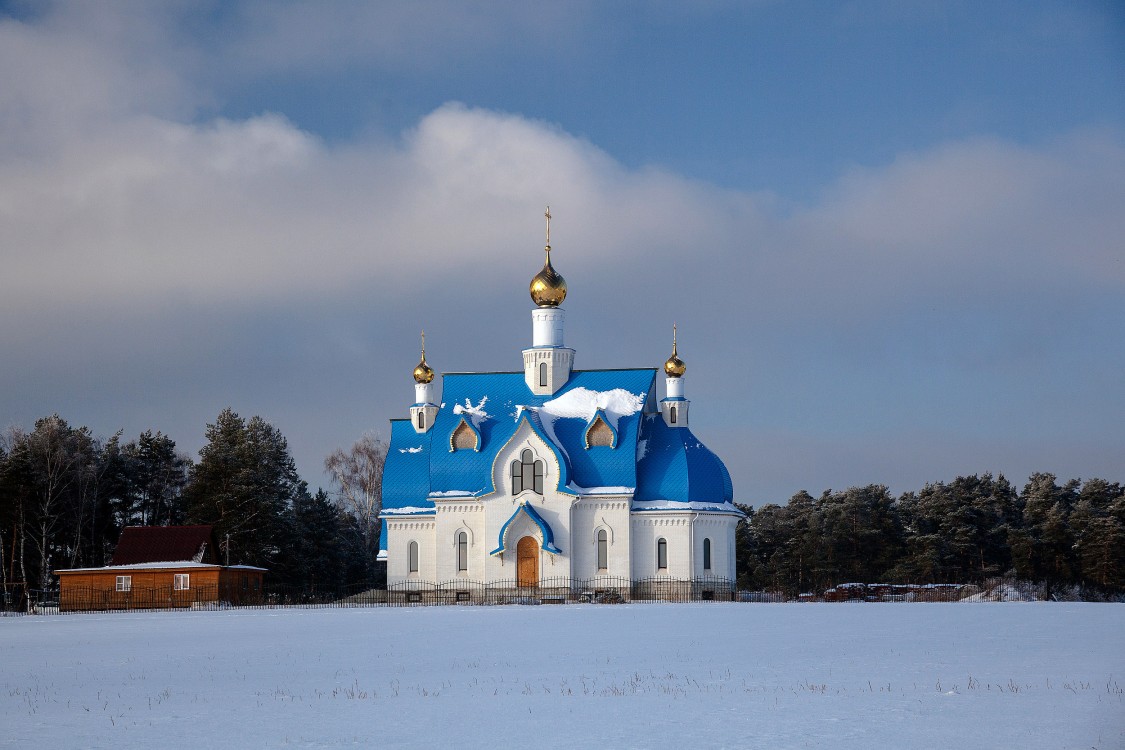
(582, 403)
(675, 505)
(906, 676)
(407, 510)
(476, 413)
(453, 493)
(148, 566)
(572, 487)
(416, 449)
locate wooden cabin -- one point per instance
(157, 567)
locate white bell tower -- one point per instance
(548, 363)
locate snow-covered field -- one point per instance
(640, 675)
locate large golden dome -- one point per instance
(548, 288)
(674, 367)
(423, 373)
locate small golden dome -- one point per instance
(674, 367)
(548, 288)
(423, 373)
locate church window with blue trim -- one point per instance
(662, 554)
(599, 433)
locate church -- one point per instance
(551, 474)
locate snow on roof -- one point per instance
(148, 566)
(677, 505)
(582, 403)
(410, 510)
(416, 449)
(476, 413)
(599, 490)
(455, 493)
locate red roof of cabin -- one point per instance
(150, 544)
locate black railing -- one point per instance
(463, 592)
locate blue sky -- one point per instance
(892, 233)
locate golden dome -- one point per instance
(548, 288)
(674, 367)
(423, 373)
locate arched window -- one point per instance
(412, 557)
(543, 374)
(706, 554)
(662, 554)
(462, 551)
(599, 433)
(421, 420)
(603, 549)
(672, 414)
(463, 437)
(527, 473)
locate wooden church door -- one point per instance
(527, 561)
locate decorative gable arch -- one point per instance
(547, 540)
(599, 432)
(465, 436)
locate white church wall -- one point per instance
(647, 529)
(590, 516)
(720, 530)
(453, 518)
(400, 533)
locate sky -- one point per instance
(892, 234)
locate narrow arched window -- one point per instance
(543, 374)
(421, 420)
(706, 554)
(538, 478)
(412, 557)
(672, 414)
(462, 551)
(662, 554)
(603, 549)
(517, 477)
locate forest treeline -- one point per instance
(65, 496)
(1069, 537)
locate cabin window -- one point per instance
(412, 557)
(124, 583)
(662, 554)
(543, 374)
(462, 552)
(706, 554)
(672, 414)
(181, 581)
(603, 549)
(421, 420)
(245, 583)
(527, 473)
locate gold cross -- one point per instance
(548, 215)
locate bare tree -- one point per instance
(358, 476)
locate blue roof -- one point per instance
(671, 464)
(675, 465)
(499, 395)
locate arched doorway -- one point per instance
(527, 561)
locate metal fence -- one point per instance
(17, 600)
(601, 590)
